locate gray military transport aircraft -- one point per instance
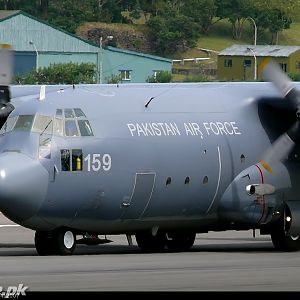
(158, 161)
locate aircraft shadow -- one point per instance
(18, 249)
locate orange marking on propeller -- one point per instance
(5, 46)
(266, 166)
(263, 64)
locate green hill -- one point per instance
(220, 37)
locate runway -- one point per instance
(224, 261)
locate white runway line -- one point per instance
(10, 225)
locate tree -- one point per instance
(171, 31)
(275, 15)
(69, 73)
(236, 11)
(161, 77)
(201, 12)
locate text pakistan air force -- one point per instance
(189, 129)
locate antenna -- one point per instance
(146, 105)
(42, 93)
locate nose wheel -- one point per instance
(61, 241)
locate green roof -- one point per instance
(125, 51)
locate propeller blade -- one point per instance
(6, 63)
(272, 72)
(279, 150)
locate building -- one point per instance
(38, 44)
(132, 66)
(241, 62)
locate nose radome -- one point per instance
(23, 186)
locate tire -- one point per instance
(149, 243)
(44, 243)
(65, 241)
(182, 241)
(283, 241)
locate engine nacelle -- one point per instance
(255, 195)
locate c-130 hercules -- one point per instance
(161, 162)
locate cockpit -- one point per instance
(67, 122)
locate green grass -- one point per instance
(290, 36)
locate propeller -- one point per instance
(286, 142)
(6, 71)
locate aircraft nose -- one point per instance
(23, 186)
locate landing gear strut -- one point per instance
(175, 241)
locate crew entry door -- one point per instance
(135, 205)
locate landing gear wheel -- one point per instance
(180, 241)
(44, 243)
(65, 241)
(149, 243)
(281, 240)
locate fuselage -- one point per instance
(121, 167)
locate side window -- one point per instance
(24, 123)
(9, 124)
(42, 124)
(76, 160)
(68, 158)
(65, 159)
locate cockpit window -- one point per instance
(59, 112)
(79, 113)
(42, 124)
(58, 127)
(24, 123)
(85, 128)
(9, 124)
(71, 128)
(69, 113)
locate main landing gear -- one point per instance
(281, 239)
(61, 241)
(175, 241)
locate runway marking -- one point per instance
(10, 225)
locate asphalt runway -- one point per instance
(223, 261)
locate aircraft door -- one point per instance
(135, 205)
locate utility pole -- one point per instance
(255, 29)
(37, 55)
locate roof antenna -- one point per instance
(73, 86)
(146, 105)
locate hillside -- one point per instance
(134, 37)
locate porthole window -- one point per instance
(168, 181)
(205, 180)
(187, 180)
